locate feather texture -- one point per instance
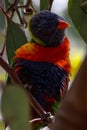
(47, 80)
(58, 55)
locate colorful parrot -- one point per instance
(44, 62)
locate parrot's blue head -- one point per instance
(47, 28)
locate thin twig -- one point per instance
(5, 13)
(36, 105)
(28, 3)
(10, 71)
(33, 8)
(21, 20)
(3, 49)
(50, 6)
(13, 6)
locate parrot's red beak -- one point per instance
(62, 25)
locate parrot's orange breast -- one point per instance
(58, 55)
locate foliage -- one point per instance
(2, 21)
(78, 13)
(15, 38)
(43, 5)
(15, 107)
(2, 125)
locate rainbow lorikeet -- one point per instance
(44, 62)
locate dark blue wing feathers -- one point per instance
(45, 78)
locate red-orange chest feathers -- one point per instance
(58, 55)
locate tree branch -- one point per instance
(9, 70)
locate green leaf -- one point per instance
(11, 1)
(2, 20)
(2, 37)
(15, 108)
(2, 125)
(15, 37)
(44, 4)
(6, 4)
(84, 6)
(79, 16)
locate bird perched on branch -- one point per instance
(44, 62)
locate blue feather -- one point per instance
(46, 79)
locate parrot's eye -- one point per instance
(48, 32)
